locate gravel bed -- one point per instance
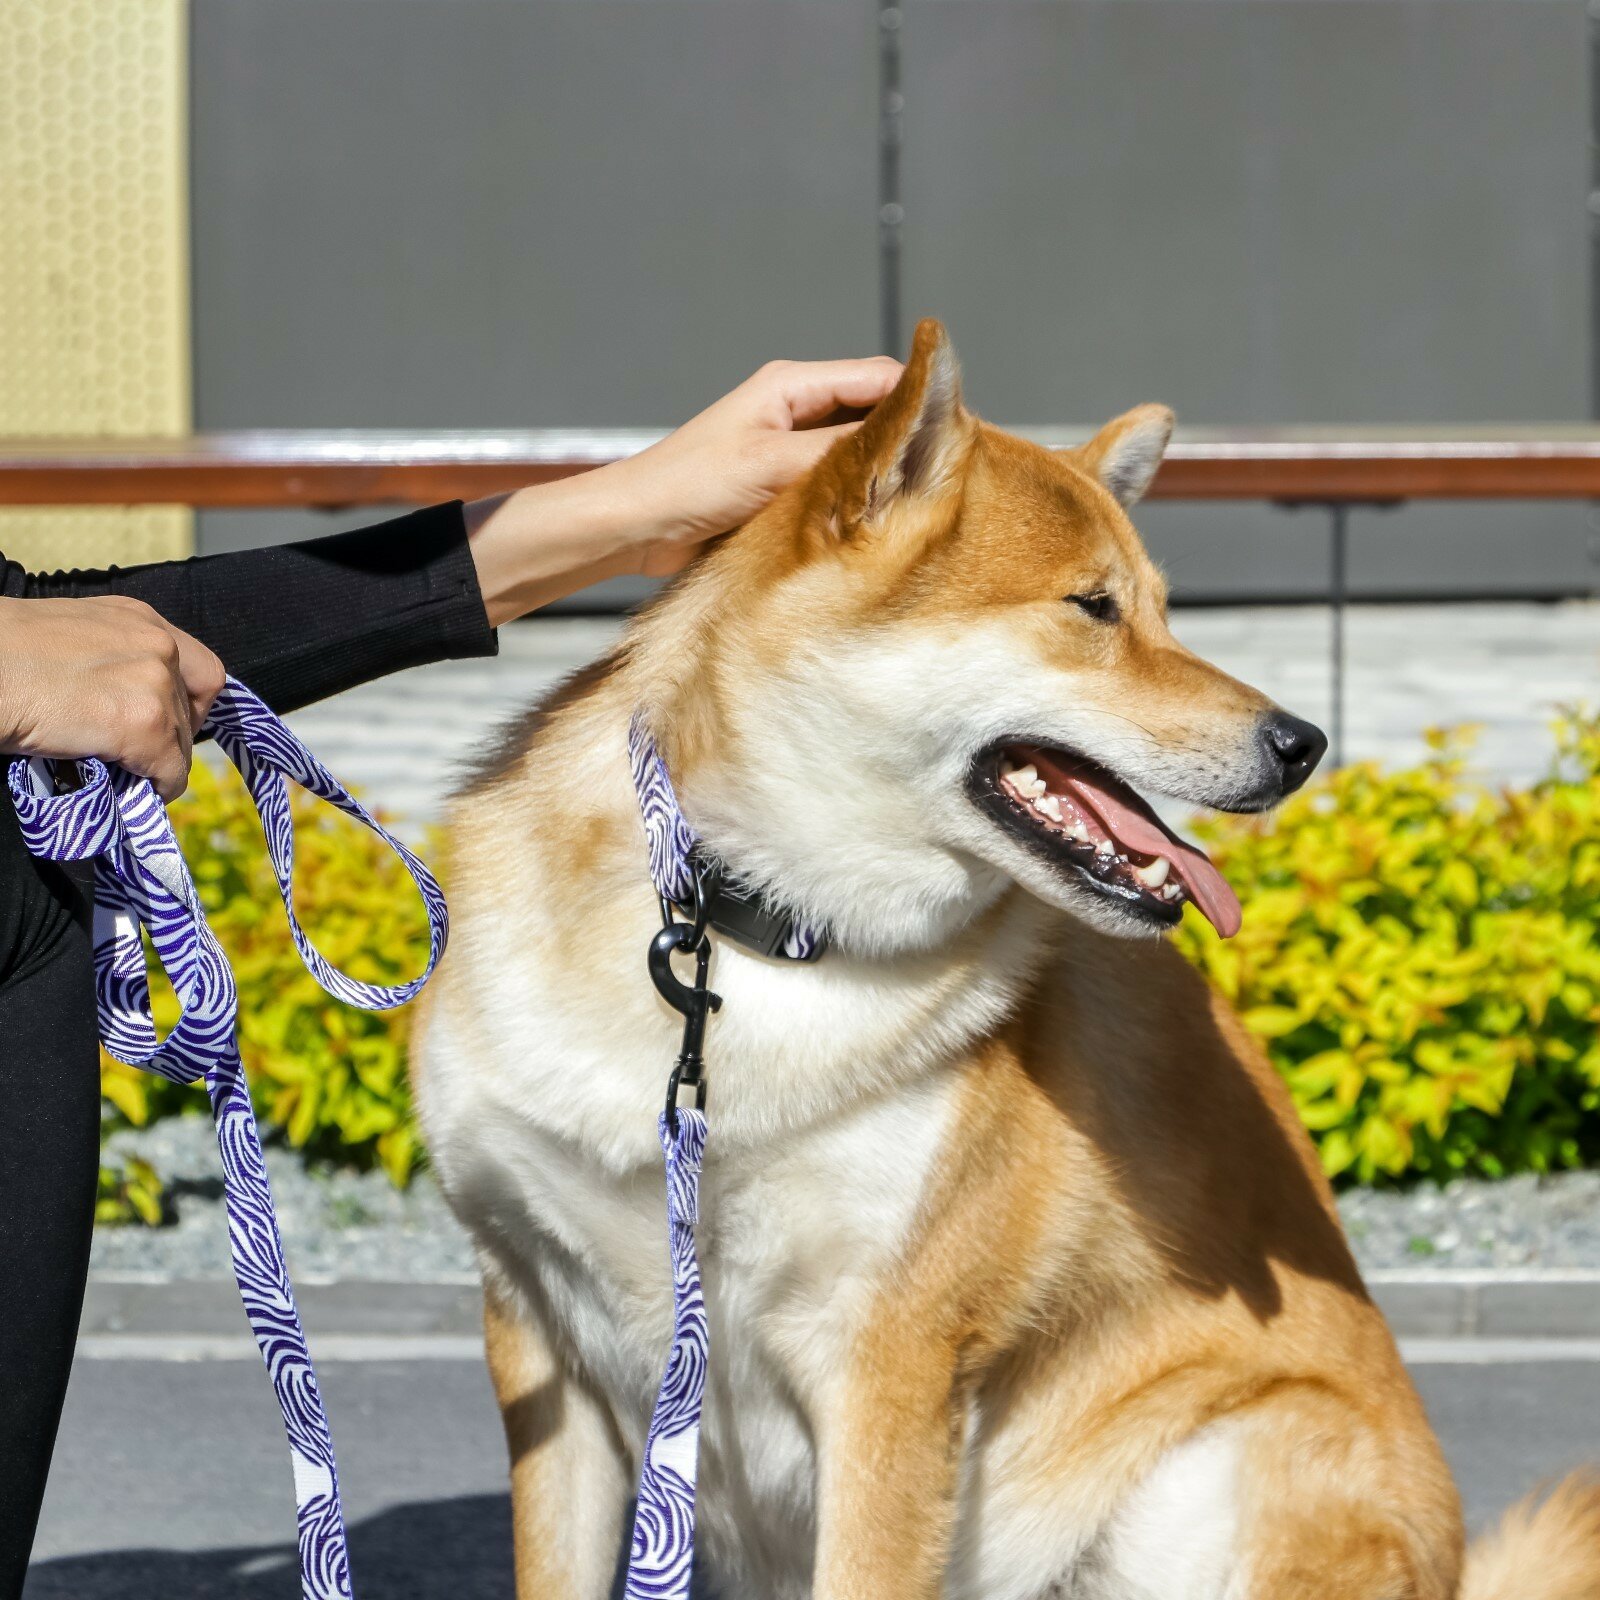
(1513, 1223)
(354, 1225)
(335, 1223)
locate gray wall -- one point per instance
(570, 212)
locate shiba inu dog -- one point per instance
(1023, 1280)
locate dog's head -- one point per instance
(943, 663)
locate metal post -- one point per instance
(1338, 584)
(891, 214)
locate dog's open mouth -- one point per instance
(1080, 815)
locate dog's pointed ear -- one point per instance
(1125, 454)
(912, 443)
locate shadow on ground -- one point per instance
(460, 1548)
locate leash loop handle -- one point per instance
(140, 879)
(269, 758)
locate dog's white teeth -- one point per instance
(1028, 782)
(1050, 806)
(1077, 830)
(1155, 874)
(1172, 891)
(1008, 767)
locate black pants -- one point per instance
(49, 1160)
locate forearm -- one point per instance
(545, 542)
(302, 621)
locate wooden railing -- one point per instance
(1329, 468)
(349, 468)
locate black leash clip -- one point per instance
(695, 1002)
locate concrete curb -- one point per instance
(1486, 1305)
(140, 1305)
(1469, 1304)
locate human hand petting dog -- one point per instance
(646, 515)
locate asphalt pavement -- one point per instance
(172, 1480)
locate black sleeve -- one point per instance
(299, 622)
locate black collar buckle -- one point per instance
(734, 908)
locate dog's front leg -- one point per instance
(888, 1461)
(569, 1481)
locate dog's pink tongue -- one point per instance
(1135, 826)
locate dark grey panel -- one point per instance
(471, 213)
(1308, 211)
(1272, 211)
(1212, 551)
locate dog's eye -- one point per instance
(1102, 607)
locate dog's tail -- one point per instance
(1547, 1548)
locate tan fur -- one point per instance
(1546, 1548)
(1125, 1246)
(552, 1427)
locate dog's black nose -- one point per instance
(1293, 746)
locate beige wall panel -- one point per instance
(94, 298)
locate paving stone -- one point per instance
(1446, 1305)
(1531, 1308)
(1420, 1309)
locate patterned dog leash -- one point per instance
(661, 1556)
(661, 1551)
(119, 822)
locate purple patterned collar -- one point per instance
(736, 909)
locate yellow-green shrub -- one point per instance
(1421, 958)
(130, 1190)
(332, 1078)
